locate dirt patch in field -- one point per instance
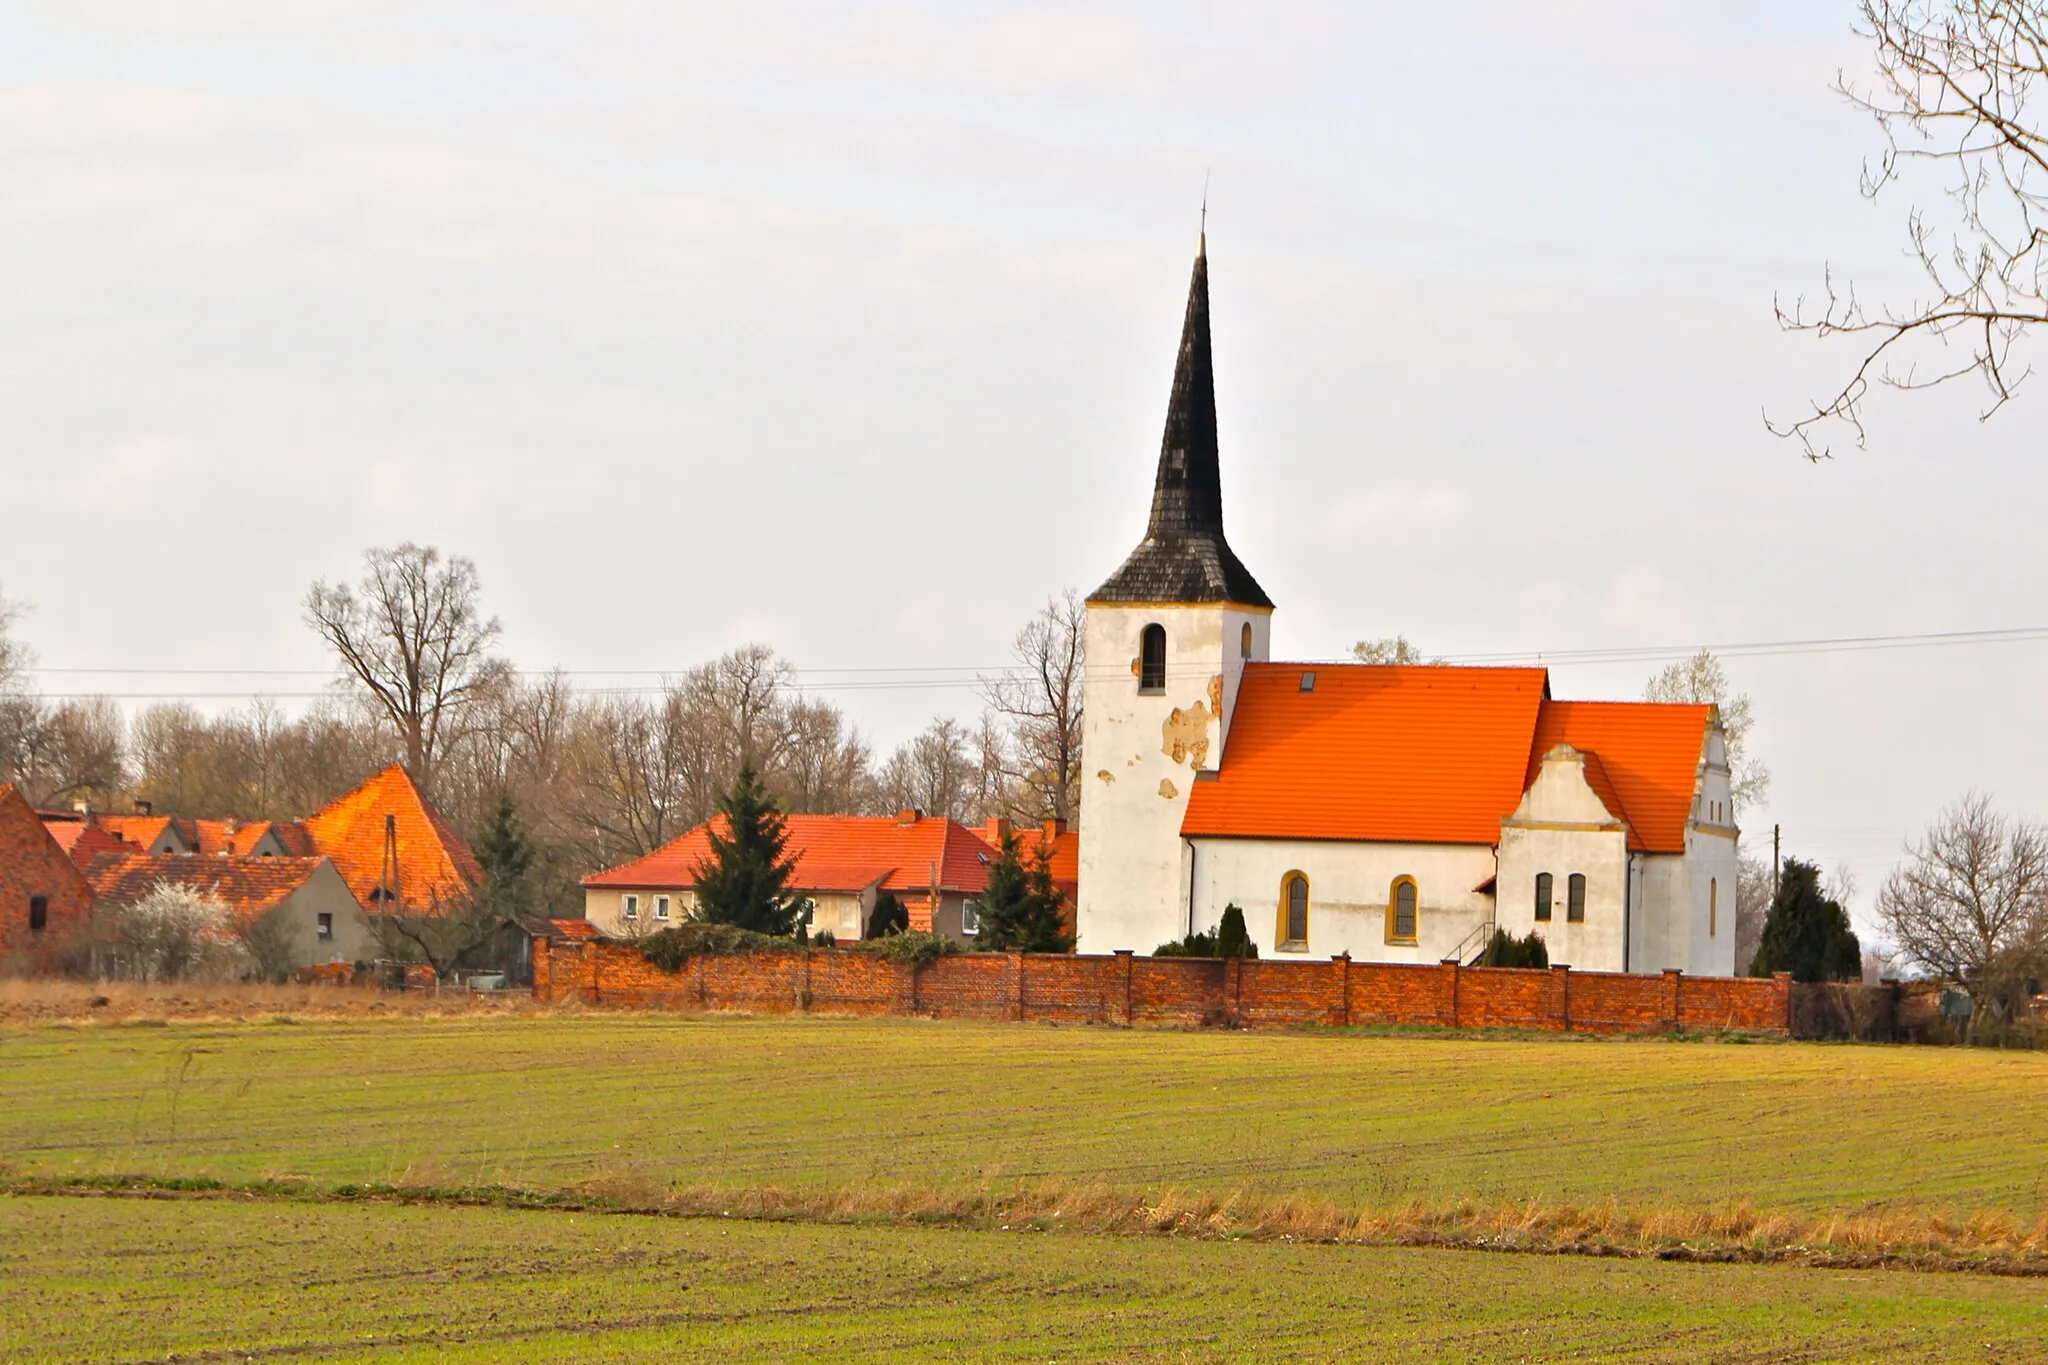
(50, 1002)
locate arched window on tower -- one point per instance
(1244, 641)
(1152, 658)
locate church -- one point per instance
(1397, 813)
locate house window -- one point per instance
(1544, 886)
(38, 913)
(1401, 911)
(849, 919)
(970, 911)
(1294, 910)
(324, 926)
(1152, 658)
(661, 907)
(1575, 898)
(1244, 641)
(1713, 905)
(631, 907)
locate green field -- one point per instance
(839, 1103)
(872, 1134)
(107, 1280)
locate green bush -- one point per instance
(888, 917)
(672, 947)
(825, 938)
(1505, 950)
(913, 946)
(1194, 945)
(1232, 938)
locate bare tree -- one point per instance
(1701, 679)
(412, 637)
(825, 763)
(1970, 903)
(1393, 649)
(636, 768)
(1956, 87)
(932, 771)
(71, 752)
(1752, 905)
(1040, 700)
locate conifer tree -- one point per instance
(745, 881)
(1805, 933)
(888, 917)
(506, 856)
(1005, 899)
(1232, 939)
(1043, 926)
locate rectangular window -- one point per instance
(38, 913)
(970, 917)
(661, 907)
(1544, 886)
(630, 907)
(849, 918)
(1575, 902)
(325, 926)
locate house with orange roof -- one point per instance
(936, 866)
(44, 899)
(1397, 813)
(392, 847)
(299, 909)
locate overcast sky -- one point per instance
(848, 328)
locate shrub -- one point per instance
(670, 948)
(888, 917)
(1194, 945)
(913, 946)
(825, 938)
(1232, 938)
(174, 933)
(1505, 950)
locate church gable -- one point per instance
(1571, 789)
(1649, 754)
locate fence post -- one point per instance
(1342, 962)
(1784, 980)
(803, 998)
(1124, 960)
(1672, 977)
(1562, 975)
(1450, 964)
(1892, 992)
(1017, 966)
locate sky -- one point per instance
(848, 328)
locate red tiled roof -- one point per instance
(250, 887)
(1396, 753)
(139, 830)
(91, 841)
(1065, 844)
(434, 865)
(842, 853)
(63, 826)
(1412, 754)
(232, 838)
(1649, 757)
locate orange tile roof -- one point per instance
(1405, 754)
(1649, 756)
(434, 865)
(91, 841)
(250, 887)
(236, 838)
(64, 826)
(139, 830)
(834, 853)
(1413, 754)
(1065, 844)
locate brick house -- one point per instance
(305, 909)
(44, 899)
(936, 866)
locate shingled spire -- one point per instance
(1184, 557)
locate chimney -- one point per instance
(909, 815)
(141, 807)
(1054, 829)
(997, 830)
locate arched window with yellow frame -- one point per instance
(1403, 910)
(1292, 931)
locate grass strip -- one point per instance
(1990, 1243)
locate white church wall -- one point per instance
(1562, 827)
(1663, 913)
(1140, 753)
(1350, 886)
(1711, 859)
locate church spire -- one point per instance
(1184, 557)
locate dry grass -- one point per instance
(35, 1001)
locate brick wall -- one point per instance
(33, 866)
(1162, 992)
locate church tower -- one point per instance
(1168, 638)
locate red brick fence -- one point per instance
(1161, 992)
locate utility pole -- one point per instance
(1774, 861)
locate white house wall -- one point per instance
(1350, 885)
(1562, 827)
(1140, 754)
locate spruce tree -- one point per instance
(506, 857)
(745, 881)
(1005, 900)
(1805, 933)
(888, 917)
(1043, 926)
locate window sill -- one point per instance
(1401, 943)
(1151, 691)
(1290, 947)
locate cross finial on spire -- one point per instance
(1202, 249)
